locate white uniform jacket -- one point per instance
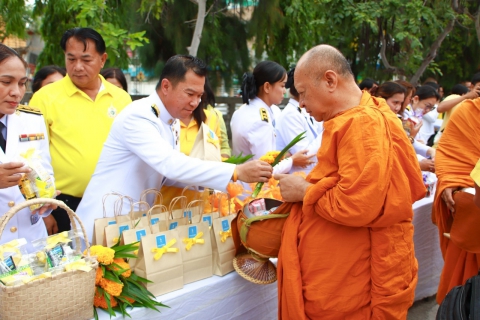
(139, 154)
(23, 122)
(420, 148)
(253, 132)
(293, 121)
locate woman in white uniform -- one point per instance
(16, 121)
(295, 120)
(253, 124)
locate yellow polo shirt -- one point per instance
(475, 174)
(77, 128)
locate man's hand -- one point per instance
(292, 187)
(11, 173)
(47, 207)
(427, 165)
(254, 171)
(300, 159)
(447, 197)
(50, 224)
(415, 129)
(431, 152)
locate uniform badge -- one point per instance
(264, 114)
(31, 136)
(155, 110)
(112, 112)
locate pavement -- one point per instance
(425, 309)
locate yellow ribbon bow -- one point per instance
(166, 248)
(78, 265)
(61, 237)
(225, 235)
(191, 241)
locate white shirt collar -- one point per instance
(164, 114)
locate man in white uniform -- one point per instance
(142, 150)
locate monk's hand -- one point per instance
(254, 171)
(427, 165)
(11, 173)
(292, 187)
(301, 159)
(447, 197)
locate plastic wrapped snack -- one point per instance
(14, 262)
(38, 183)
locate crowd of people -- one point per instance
(347, 248)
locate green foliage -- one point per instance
(14, 15)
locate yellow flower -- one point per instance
(111, 287)
(123, 265)
(104, 255)
(270, 156)
(100, 302)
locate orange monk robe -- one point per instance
(458, 152)
(347, 250)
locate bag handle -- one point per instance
(73, 217)
(149, 214)
(104, 199)
(202, 208)
(183, 203)
(195, 188)
(158, 195)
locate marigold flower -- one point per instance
(113, 288)
(104, 255)
(98, 276)
(99, 301)
(234, 189)
(123, 265)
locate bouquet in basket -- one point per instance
(116, 286)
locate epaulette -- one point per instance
(408, 108)
(28, 109)
(155, 110)
(264, 114)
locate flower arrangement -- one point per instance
(278, 157)
(116, 286)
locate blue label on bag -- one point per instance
(173, 225)
(112, 222)
(161, 241)
(123, 228)
(207, 219)
(192, 231)
(154, 221)
(144, 215)
(225, 225)
(187, 214)
(140, 234)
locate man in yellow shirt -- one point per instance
(78, 111)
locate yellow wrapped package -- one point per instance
(37, 183)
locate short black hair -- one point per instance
(291, 83)
(43, 73)
(82, 35)
(177, 66)
(432, 84)
(426, 91)
(475, 78)
(115, 73)
(459, 89)
(367, 83)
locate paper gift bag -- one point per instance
(144, 204)
(223, 248)
(122, 223)
(177, 213)
(194, 211)
(134, 235)
(206, 145)
(99, 225)
(139, 210)
(196, 248)
(157, 218)
(160, 261)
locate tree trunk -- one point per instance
(197, 33)
(433, 52)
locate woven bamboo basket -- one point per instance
(68, 295)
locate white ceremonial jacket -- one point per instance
(23, 122)
(139, 154)
(253, 132)
(293, 121)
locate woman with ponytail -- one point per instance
(294, 120)
(253, 124)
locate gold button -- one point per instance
(11, 203)
(13, 229)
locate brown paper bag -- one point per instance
(157, 218)
(100, 224)
(139, 210)
(134, 235)
(162, 267)
(206, 145)
(194, 211)
(122, 223)
(196, 248)
(223, 248)
(177, 213)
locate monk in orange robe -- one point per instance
(458, 152)
(347, 246)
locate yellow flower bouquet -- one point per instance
(116, 286)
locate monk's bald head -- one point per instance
(322, 58)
